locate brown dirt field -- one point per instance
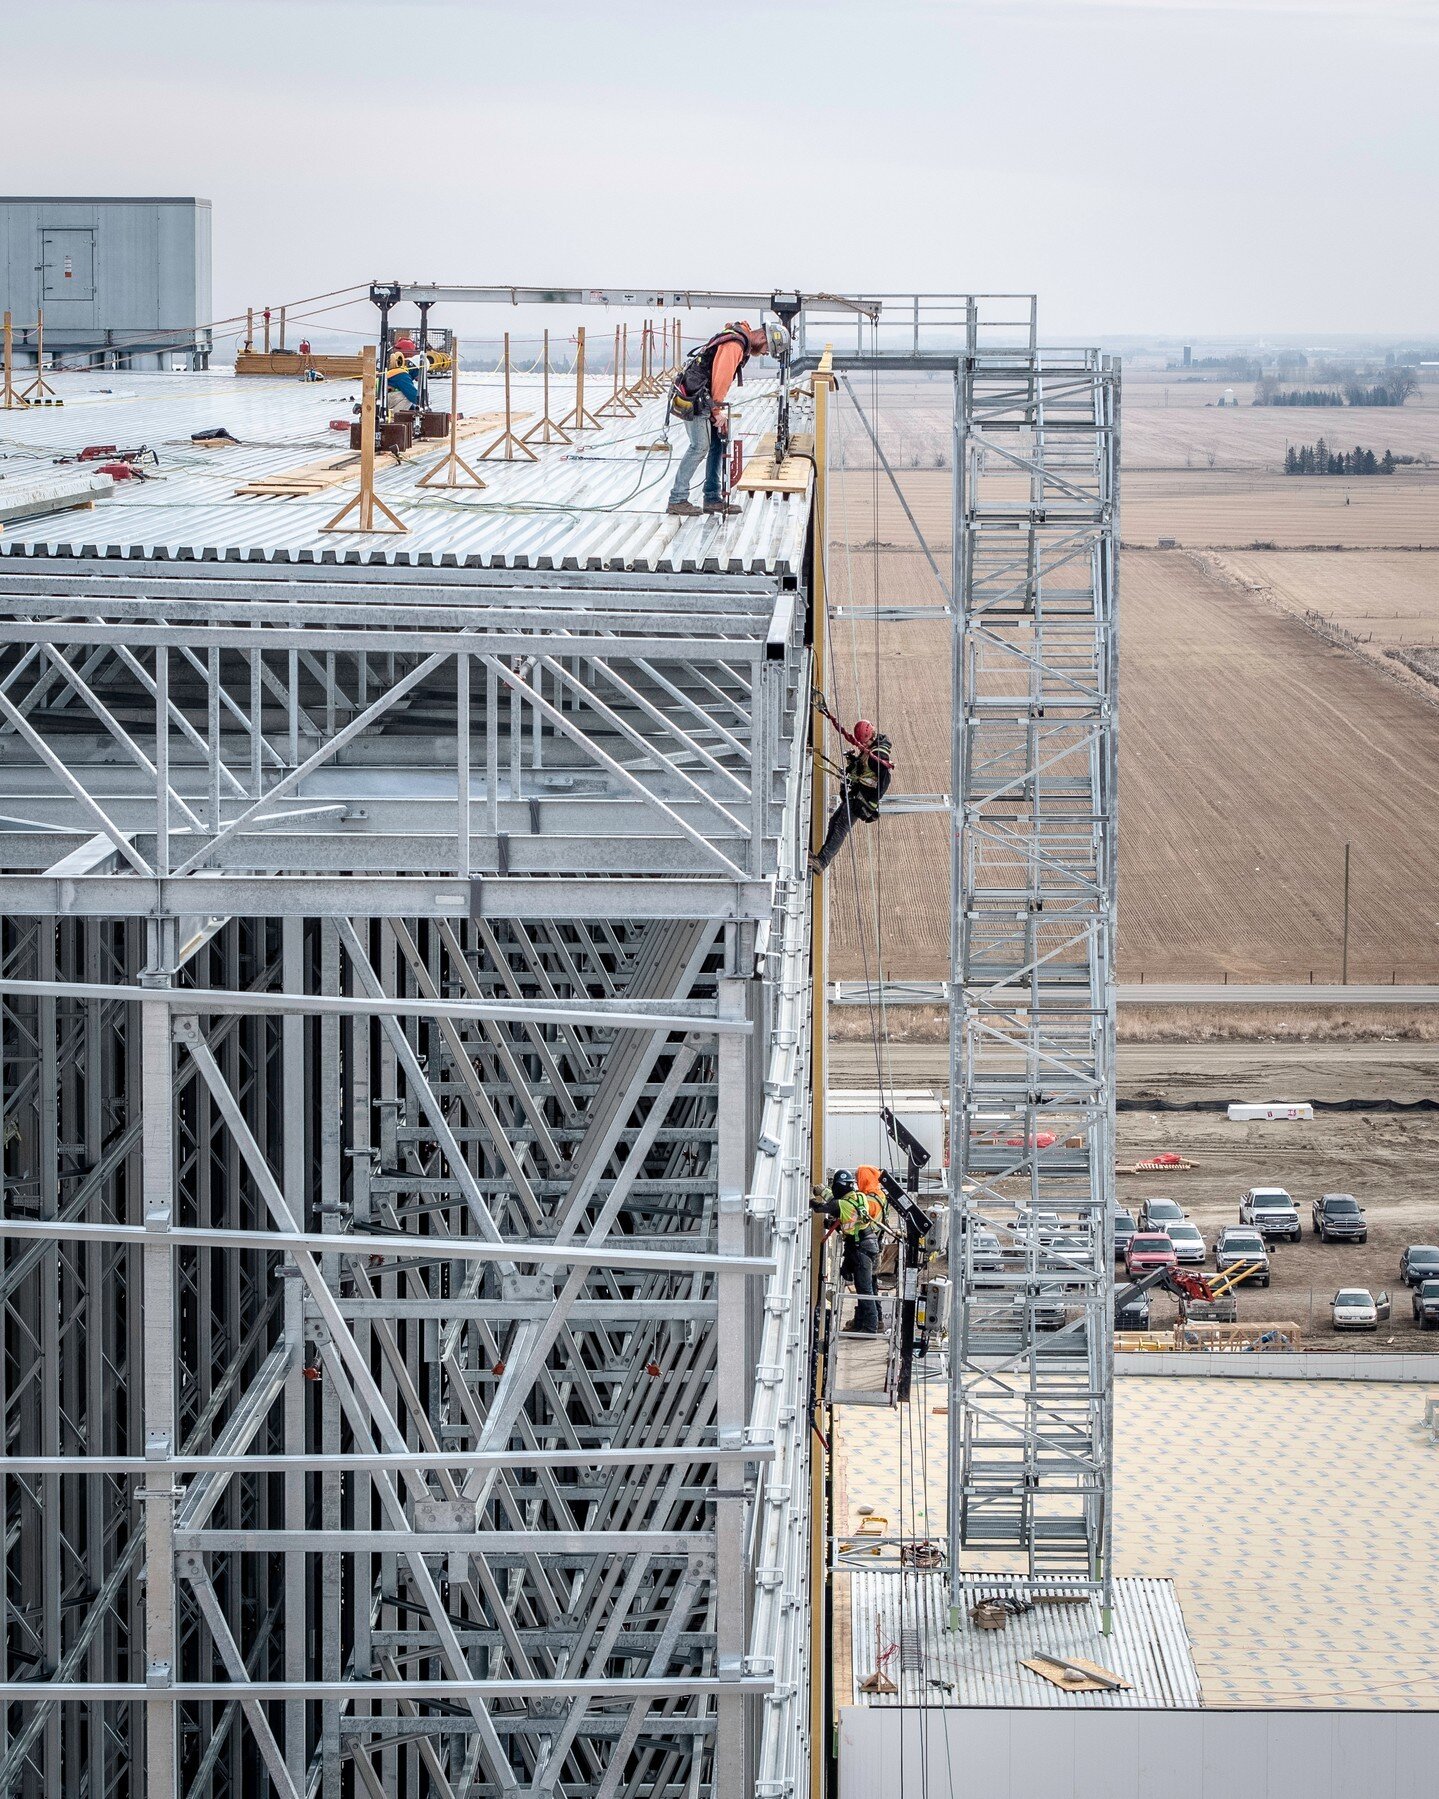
(1174, 425)
(1382, 1156)
(1384, 598)
(1220, 509)
(1251, 750)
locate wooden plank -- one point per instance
(763, 475)
(344, 465)
(843, 1643)
(290, 362)
(1071, 1675)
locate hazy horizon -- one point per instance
(1184, 169)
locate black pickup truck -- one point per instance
(1338, 1218)
(1426, 1305)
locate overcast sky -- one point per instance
(1145, 165)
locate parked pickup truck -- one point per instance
(1426, 1305)
(1338, 1217)
(1272, 1212)
(1240, 1246)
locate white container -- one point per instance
(854, 1132)
(1278, 1108)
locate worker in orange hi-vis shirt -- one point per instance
(698, 400)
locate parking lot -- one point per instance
(1387, 1158)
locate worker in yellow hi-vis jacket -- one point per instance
(858, 1217)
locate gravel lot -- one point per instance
(1387, 1158)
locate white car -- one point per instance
(1188, 1241)
(1356, 1309)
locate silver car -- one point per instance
(1356, 1309)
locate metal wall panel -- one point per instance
(141, 285)
(1013, 1754)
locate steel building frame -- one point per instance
(1032, 969)
(404, 1254)
(405, 979)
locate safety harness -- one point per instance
(867, 771)
(690, 394)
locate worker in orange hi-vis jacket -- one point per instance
(698, 400)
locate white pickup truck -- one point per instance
(1272, 1213)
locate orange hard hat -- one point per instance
(864, 733)
(867, 1179)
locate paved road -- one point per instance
(1154, 993)
(1402, 1070)
(1158, 993)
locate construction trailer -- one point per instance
(118, 282)
(412, 1009)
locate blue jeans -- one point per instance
(707, 446)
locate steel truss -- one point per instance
(405, 1233)
(1032, 1016)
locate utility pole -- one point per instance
(1344, 974)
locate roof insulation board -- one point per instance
(596, 504)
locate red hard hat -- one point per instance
(406, 345)
(864, 733)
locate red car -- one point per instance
(1148, 1250)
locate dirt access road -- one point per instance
(1385, 1151)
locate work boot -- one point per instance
(682, 509)
(723, 507)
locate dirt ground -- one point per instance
(1251, 751)
(1382, 1153)
(1252, 747)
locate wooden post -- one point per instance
(1344, 971)
(34, 394)
(282, 331)
(249, 329)
(366, 500)
(265, 316)
(579, 418)
(507, 441)
(452, 465)
(9, 399)
(619, 401)
(550, 430)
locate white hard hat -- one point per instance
(778, 340)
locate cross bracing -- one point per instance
(406, 1093)
(1032, 979)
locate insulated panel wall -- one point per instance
(129, 275)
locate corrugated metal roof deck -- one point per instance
(1148, 1646)
(598, 504)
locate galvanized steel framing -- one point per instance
(405, 1238)
(405, 985)
(1032, 975)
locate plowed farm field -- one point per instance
(1251, 748)
(1229, 509)
(1387, 599)
(1250, 751)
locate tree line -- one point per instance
(1319, 459)
(1300, 396)
(1392, 388)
